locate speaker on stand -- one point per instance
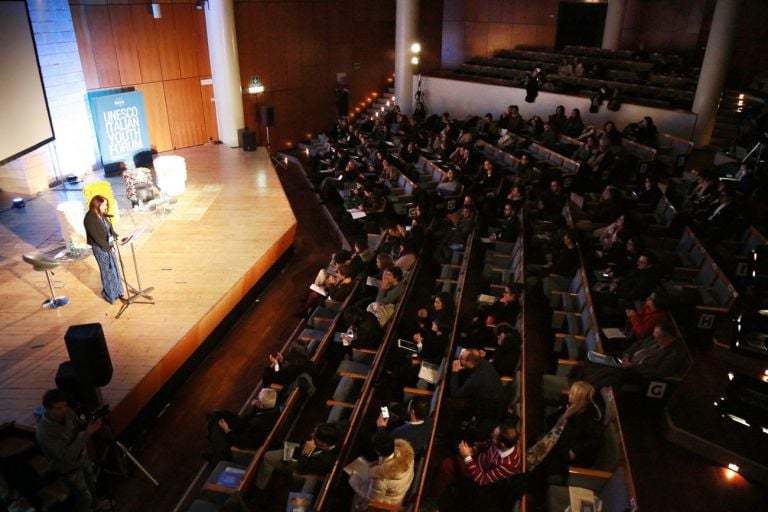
(267, 120)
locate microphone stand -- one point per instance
(133, 293)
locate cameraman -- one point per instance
(64, 445)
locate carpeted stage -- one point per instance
(202, 255)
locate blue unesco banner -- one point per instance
(121, 126)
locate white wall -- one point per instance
(464, 99)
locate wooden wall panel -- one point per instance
(185, 112)
(209, 112)
(125, 44)
(201, 47)
(100, 29)
(185, 25)
(143, 34)
(157, 115)
(121, 44)
(165, 39)
(84, 46)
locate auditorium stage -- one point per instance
(201, 255)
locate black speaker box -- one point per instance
(247, 139)
(89, 354)
(267, 116)
(79, 395)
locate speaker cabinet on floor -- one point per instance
(89, 354)
(247, 139)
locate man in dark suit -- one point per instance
(316, 458)
(415, 429)
(659, 356)
(226, 429)
(481, 393)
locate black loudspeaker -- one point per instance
(79, 396)
(89, 354)
(247, 139)
(267, 116)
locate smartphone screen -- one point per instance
(385, 413)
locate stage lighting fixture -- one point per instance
(18, 202)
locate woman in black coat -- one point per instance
(582, 432)
(101, 236)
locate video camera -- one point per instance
(86, 418)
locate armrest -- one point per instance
(219, 488)
(570, 362)
(417, 391)
(354, 375)
(712, 309)
(577, 337)
(332, 403)
(363, 351)
(595, 473)
(377, 505)
(307, 476)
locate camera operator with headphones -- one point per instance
(63, 442)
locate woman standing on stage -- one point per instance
(100, 236)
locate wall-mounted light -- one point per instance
(414, 60)
(200, 4)
(156, 11)
(416, 48)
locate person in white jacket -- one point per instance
(388, 479)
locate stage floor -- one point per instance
(201, 255)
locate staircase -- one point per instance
(731, 118)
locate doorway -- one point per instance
(580, 24)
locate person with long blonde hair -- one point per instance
(101, 237)
(582, 431)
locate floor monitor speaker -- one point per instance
(89, 354)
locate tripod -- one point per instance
(121, 453)
(138, 292)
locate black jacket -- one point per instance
(96, 232)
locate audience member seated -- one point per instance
(449, 186)
(226, 429)
(648, 193)
(623, 292)
(573, 126)
(643, 132)
(721, 222)
(506, 356)
(575, 436)
(388, 479)
(415, 426)
(284, 370)
(480, 394)
(363, 329)
(512, 120)
(504, 311)
(317, 456)
(337, 288)
(468, 479)
(661, 355)
(558, 120)
(509, 229)
(642, 320)
(565, 263)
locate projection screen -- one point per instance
(25, 122)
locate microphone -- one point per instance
(109, 216)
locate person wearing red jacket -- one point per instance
(642, 321)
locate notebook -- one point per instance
(319, 289)
(408, 345)
(230, 477)
(603, 359)
(429, 372)
(289, 449)
(614, 333)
